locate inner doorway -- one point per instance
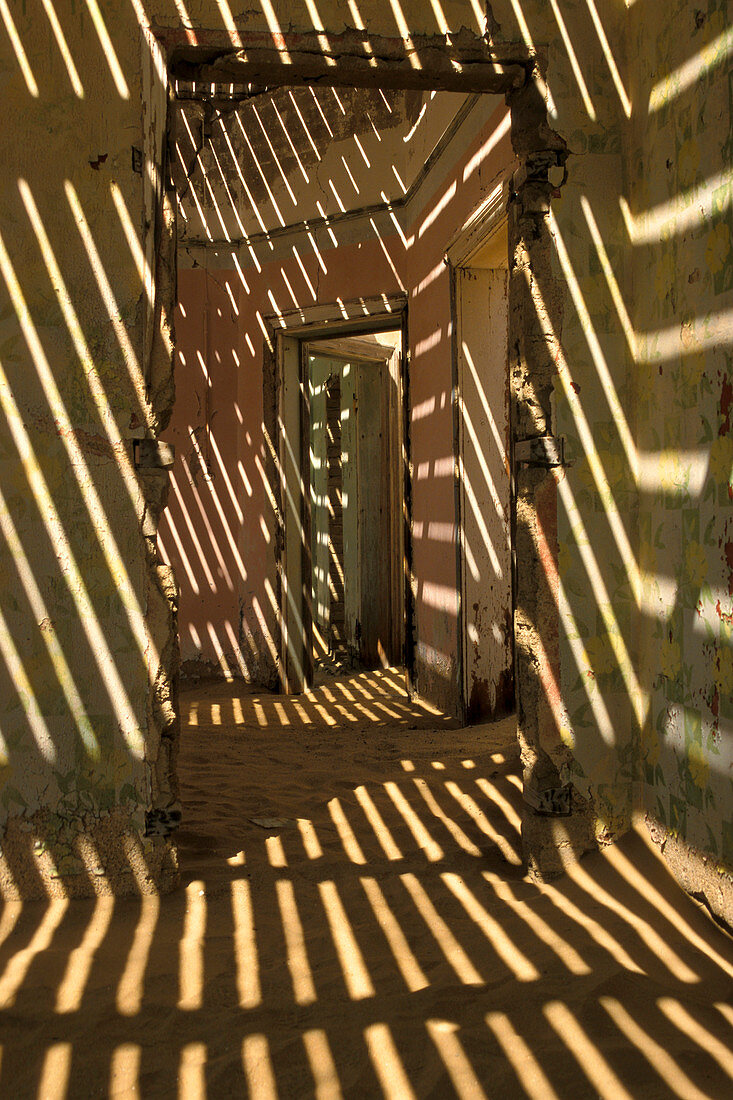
(344, 567)
(356, 531)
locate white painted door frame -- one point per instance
(477, 257)
(288, 334)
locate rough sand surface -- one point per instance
(377, 939)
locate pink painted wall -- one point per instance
(227, 587)
(205, 512)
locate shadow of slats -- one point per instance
(377, 939)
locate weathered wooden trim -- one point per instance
(306, 563)
(410, 583)
(457, 495)
(483, 222)
(353, 347)
(356, 315)
(462, 62)
(271, 384)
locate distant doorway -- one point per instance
(343, 484)
(357, 591)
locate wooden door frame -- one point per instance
(283, 331)
(484, 223)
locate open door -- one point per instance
(484, 501)
(341, 490)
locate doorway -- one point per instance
(357, 596)
(344, 568)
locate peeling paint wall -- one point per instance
(623, 357)
(680, 218)
(87, 611)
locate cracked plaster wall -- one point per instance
(681, 217)
(87, 610)
(633, 695)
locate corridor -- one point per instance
(354, 921)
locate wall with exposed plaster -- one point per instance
(680, 224)
(87, 609)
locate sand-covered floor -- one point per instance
(372, 936)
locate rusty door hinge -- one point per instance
(550, 801)
(541, 450)
(151, 454)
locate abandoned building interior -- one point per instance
(366, 501)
